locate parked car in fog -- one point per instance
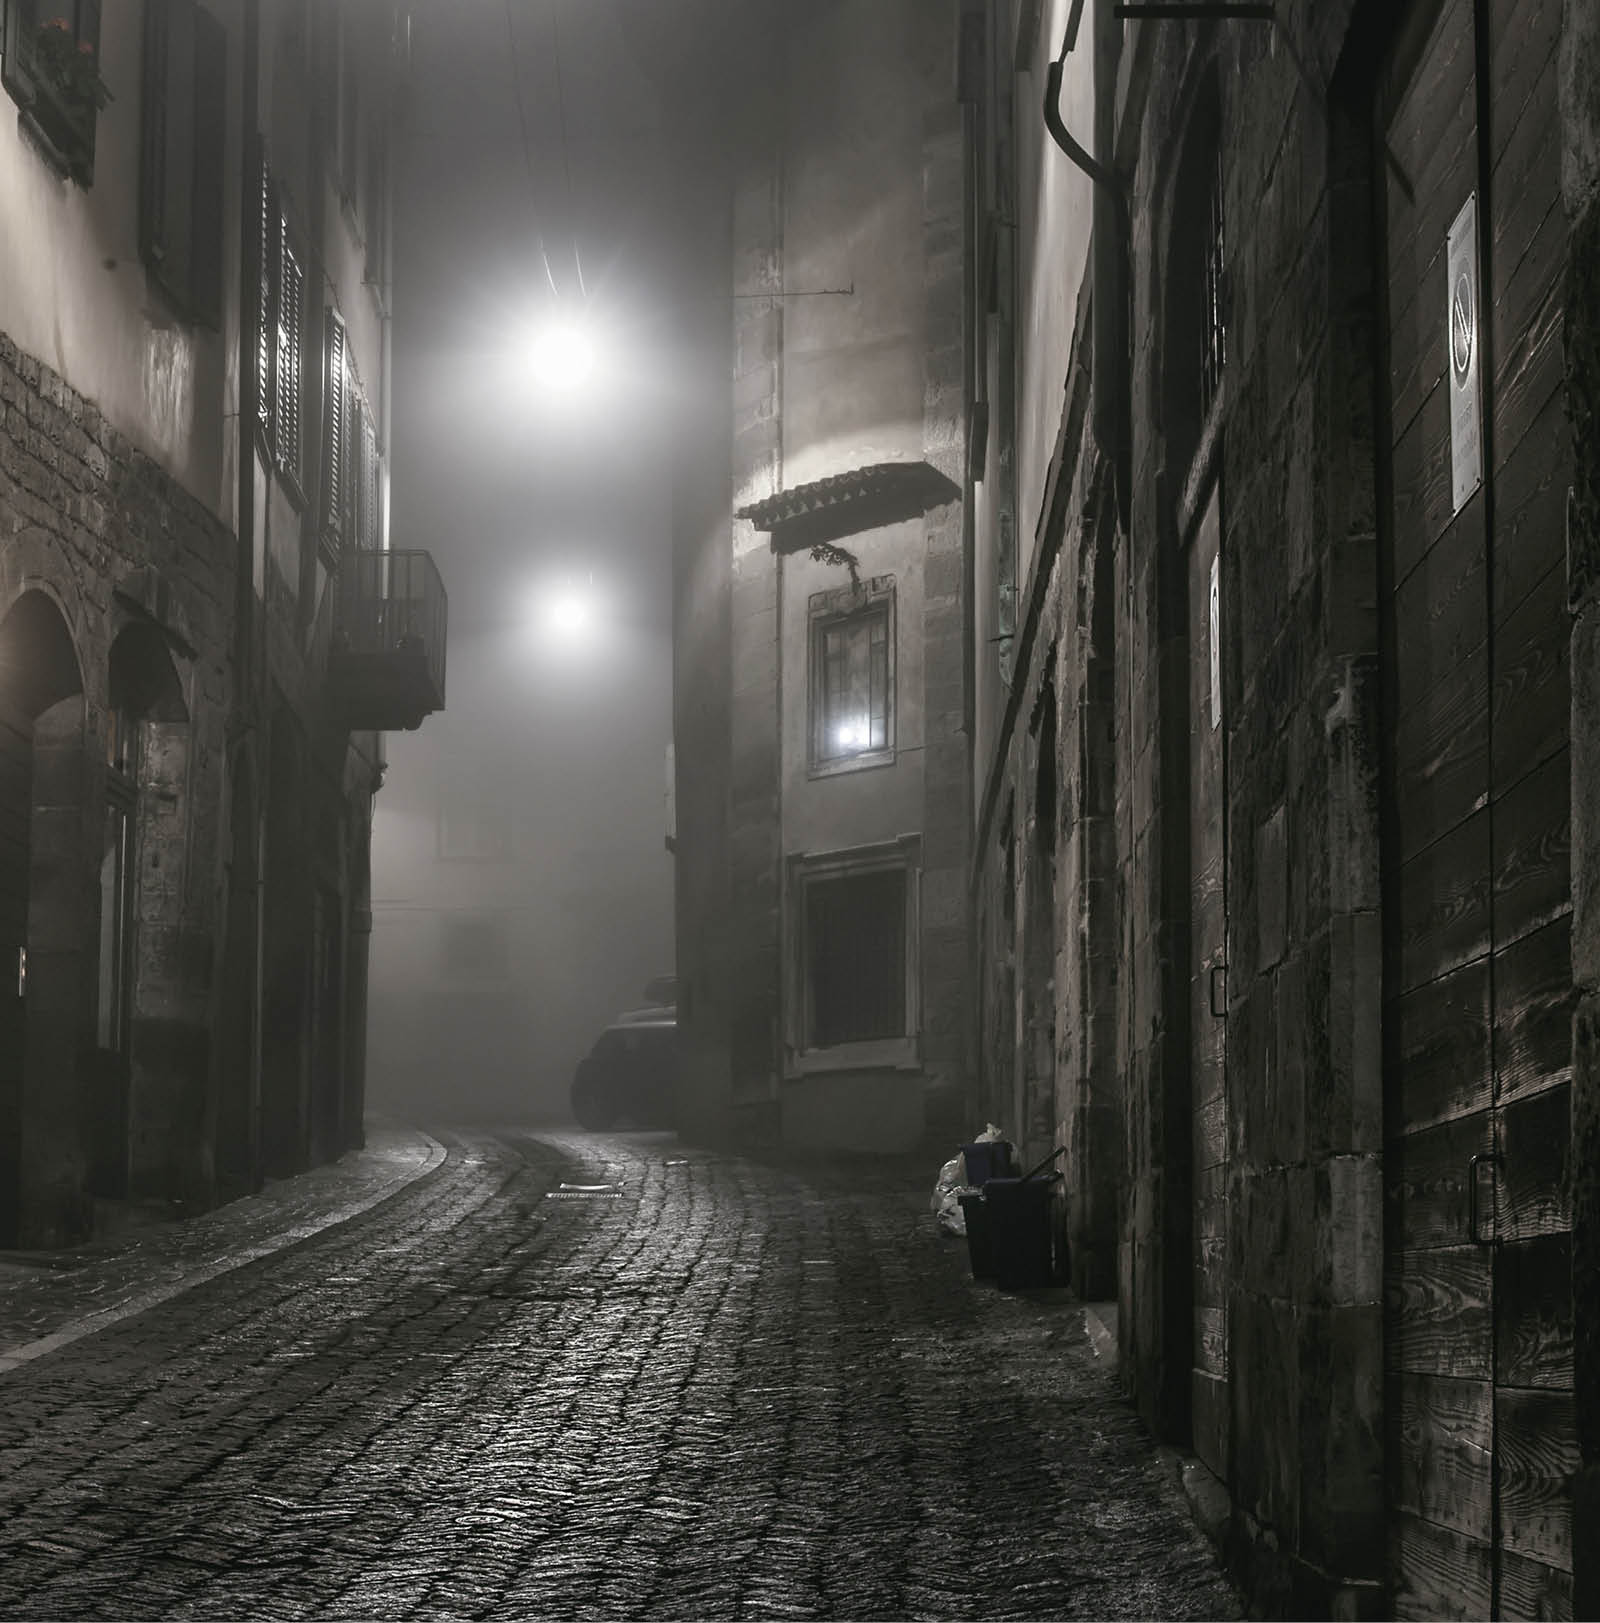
(629, 1078)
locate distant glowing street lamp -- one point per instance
(569, 611)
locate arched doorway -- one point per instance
(150, 1116)
(43, 925)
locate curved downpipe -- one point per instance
(1109, 262)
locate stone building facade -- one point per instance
(1284, 743)
(820, 758)
(201, 633)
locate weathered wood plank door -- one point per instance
(1208, 933)
(16, 809)
(1477, 889)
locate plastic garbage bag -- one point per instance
(946, 1202)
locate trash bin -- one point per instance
(1021, 1230)
(980, 1249)
(991, 1159)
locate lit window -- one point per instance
(852, 674)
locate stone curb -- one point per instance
(422, 1158)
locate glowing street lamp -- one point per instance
(569, 611)
(562, 357)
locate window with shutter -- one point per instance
(372, 487)
(50, 67)
(210, 153)
(291, 351)
(183, 140)
(852, 676)
(335, 436)
(357, 471)
(266, 313)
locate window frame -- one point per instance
(824, 612)
(878, 1053)
(66, 133)
(493, 928)
(289, 333)
(278, 248)
(338, 405)
(181, 185)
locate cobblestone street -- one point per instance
(715, 1387)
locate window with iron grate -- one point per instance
(855, 957)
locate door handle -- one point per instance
(1219, 990)
(1481, 1170)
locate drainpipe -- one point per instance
(249, 402)
(1109, 247)
(244, 705)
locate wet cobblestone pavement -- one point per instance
(716, 1388)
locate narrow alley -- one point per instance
(554, 1375)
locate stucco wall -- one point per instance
(74, 292)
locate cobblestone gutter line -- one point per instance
(134, 1273)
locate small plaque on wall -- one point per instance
(1462, 346)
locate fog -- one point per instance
(522, 890)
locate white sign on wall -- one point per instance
(1462, 343)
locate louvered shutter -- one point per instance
(267, 247)
(359, 441)
(371, 485)
(183, 141)
(210, 151)
(153, 139)
(334, 432)
(291, 344)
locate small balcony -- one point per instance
(386, 662)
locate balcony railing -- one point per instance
(386, 664)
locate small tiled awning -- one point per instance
(848, 503)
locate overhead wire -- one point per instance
(527, 147)
(566, 154)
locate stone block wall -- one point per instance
(118, 549)
(111, 540)
(1579, 77)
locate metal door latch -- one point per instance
(1219, 990)
(1482, 1185)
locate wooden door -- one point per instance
(1208, 935)
(16, 803)
(1477, 970)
